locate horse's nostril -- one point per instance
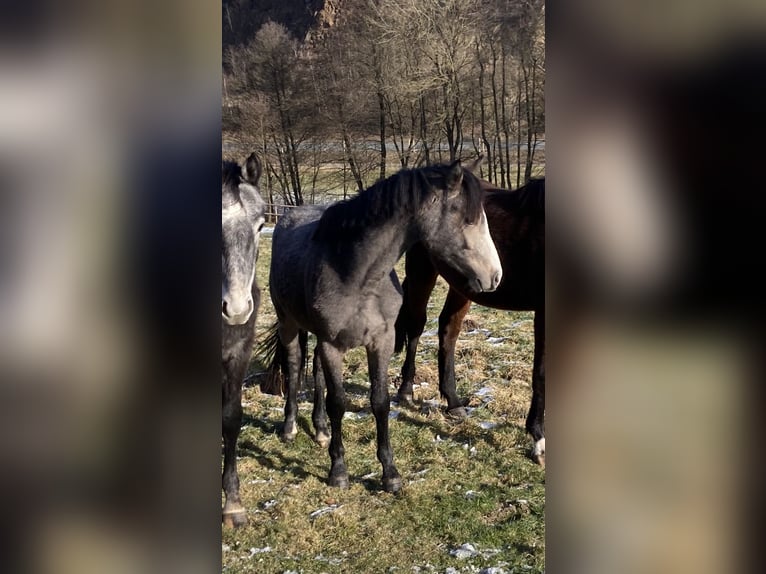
(496, 279)
(224, 309)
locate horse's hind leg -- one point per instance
(332, 364)
(319, 414)
(288, 335)
(450, 322)
(378, 357)
(233, 512)
(536, 417)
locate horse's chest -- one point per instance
(357, 323)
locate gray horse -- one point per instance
(242, 218)
(332, 274)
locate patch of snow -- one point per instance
(486, 425)
(493, 570)
(484, 391)
(324, 510)
(495, 340)
(478, 332)
(369, 476)
(393, 414)
(466, 550)
(471, 494)
(254, 551)
(269, 504)
(328, 560)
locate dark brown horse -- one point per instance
(517, 224)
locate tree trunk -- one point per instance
(498, 131)
(483, 113)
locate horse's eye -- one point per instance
(260, 227)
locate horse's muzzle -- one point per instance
(236, 314)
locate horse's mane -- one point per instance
(231, 175)
(529, 197)
(532, 195)
(403, 192)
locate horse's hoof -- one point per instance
(322, 439)
(538, 452)
(338, 480)
(405, 398)
(288, 434)
(392, 484)
(458, 413)
(234, 518)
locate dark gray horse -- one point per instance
(332, 274)
(242, 217)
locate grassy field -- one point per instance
(472, 500)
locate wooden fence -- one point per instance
(275, 210)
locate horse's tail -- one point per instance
(271, 351)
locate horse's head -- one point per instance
(242, 218)
(453, 227)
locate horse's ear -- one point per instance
(473, 167)
(454, 179)
(252, 171)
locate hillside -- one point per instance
(242, 18)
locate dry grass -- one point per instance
(468, 482)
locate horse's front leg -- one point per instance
(233, 372)
(319, 414)
(536, 417)
(378, 357)
(450, 323)
(288, 335)
(332, 365)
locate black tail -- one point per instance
(273, 353)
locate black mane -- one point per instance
(403, 192)
(532, 195)
(231, 175)
(529, 197)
